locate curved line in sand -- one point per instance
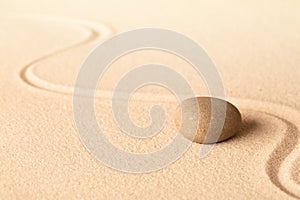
(280, 153)
(279, 166)
(96, 31)
(277, 158)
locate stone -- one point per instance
(194, 116)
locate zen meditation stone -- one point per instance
(195, 120)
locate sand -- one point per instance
(255, 46)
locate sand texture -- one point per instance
(255, 46)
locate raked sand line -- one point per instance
(96, 31)
(274, 166)
(280, 166)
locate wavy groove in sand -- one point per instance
(96, 31)
(280, 166)
(274, 167)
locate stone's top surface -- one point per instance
(194, 116)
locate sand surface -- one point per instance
(255, 46)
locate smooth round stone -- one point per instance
(194, 116)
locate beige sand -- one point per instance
(255, 46)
